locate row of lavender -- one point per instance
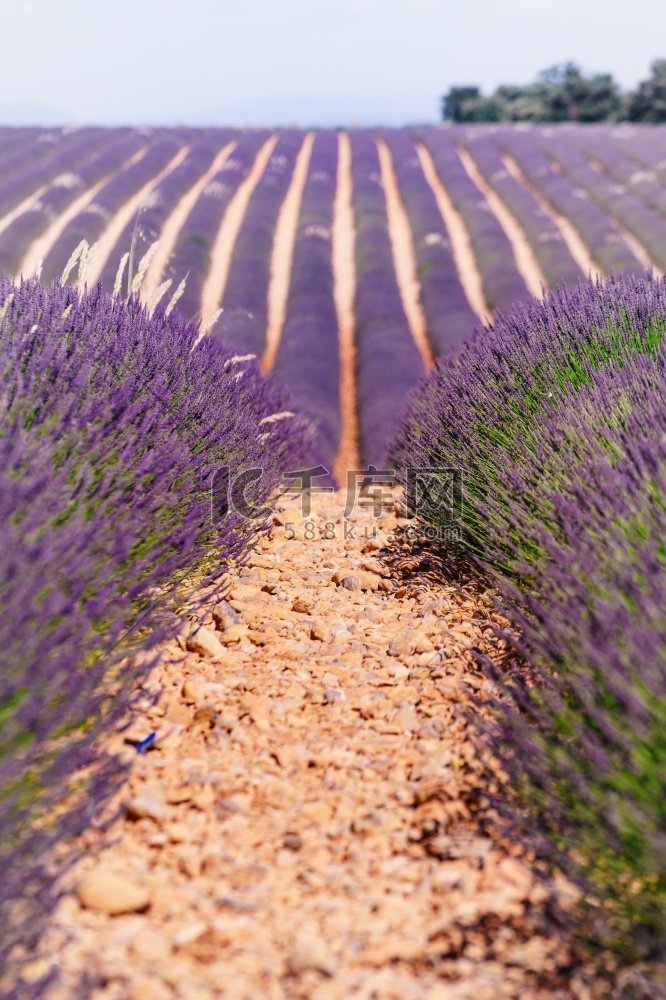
(629, 210)
(551, 160)
(93, 220)
(555, 260)
(147, 225)
(113, 426)
(556, 418)
(95, 164)
(26, 171)
(449, 316)
(192, 254)
(308, 357)
(244, 323)
(388, 363)
(502, 282)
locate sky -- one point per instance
(309, 62)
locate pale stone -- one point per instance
(225, 616)
(206, 643)
(113, 894)
(147, 804)
(303, 605)
(310, 953)
(189, 933)
(235, 633)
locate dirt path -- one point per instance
(283, 252)
(575, 244)
(175, 222)
(404, 257)
(39, 250)
(312, 823)
(526, 261)
(461, 244)
(344, 276)
(117, 223)
(225, 241)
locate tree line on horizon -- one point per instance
(562, 94)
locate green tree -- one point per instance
(560, 93)
(648, 103)
(453, 103)
(570, 96)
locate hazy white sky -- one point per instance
(308, 61)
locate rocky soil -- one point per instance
(312, 820)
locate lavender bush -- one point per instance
(587, 746)
(494, 392)
(556, 417)
(112, 425)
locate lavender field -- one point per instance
(430, 727)
(494, 213)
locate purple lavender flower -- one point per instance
(556, 418)
(113, 425)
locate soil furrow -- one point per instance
(403, 256)
(223, 247)
(344, 276)
(283, 251)
(312, 822)
(461, 244)
(526, 261)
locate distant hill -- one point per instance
(32, 114)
